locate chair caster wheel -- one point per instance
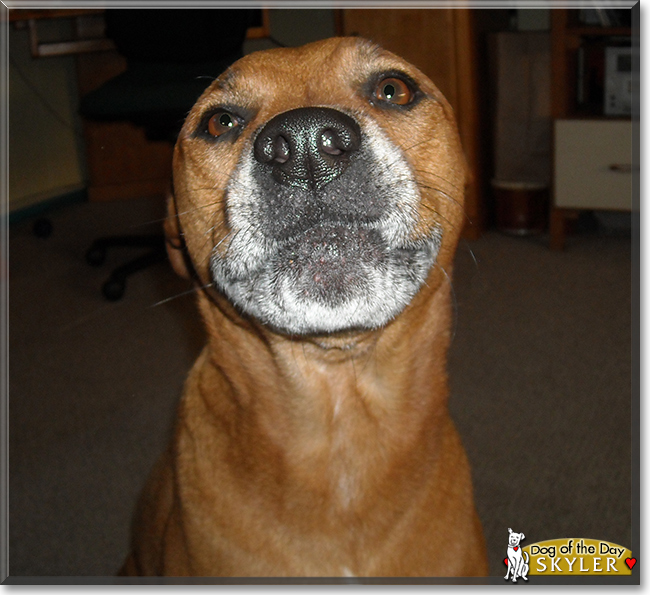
(113, 289)
(95, 256)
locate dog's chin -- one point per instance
(332, 278)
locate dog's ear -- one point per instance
(174, 240)
(509, 530)
(522, 536)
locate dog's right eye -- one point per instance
(221, 122)
(394, 90)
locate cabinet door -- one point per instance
(441, 43)
(593, 164)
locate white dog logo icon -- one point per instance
(517, 565)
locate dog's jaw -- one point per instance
(304, 294)
(333, 274)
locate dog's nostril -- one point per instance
(282, 150)
(273, 148)
(330, 143)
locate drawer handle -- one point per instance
(624, 168)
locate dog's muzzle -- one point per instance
(313, 169)
(322, 212)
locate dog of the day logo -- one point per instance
(566, 556)
(517, 560)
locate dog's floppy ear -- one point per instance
(174, 240)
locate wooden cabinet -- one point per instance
(441, 43)
(592, 164)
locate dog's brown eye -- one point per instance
(394, 90)
(221, 122)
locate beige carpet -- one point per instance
(540, 369)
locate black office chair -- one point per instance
(171, 57)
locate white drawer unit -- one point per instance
(593, 164)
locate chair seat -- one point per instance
(152, 94)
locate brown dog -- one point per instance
(318, 198)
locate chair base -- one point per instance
(114, 287)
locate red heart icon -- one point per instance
(505, 561)
(515, 548)
(630, 562)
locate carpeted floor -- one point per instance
(540, 374)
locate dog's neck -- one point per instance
(333, 407)
(348, 358)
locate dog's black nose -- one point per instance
(308, 147)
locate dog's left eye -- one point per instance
(221, 122)
(394, 90)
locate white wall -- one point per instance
(45, 150)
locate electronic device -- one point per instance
(621, 81)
